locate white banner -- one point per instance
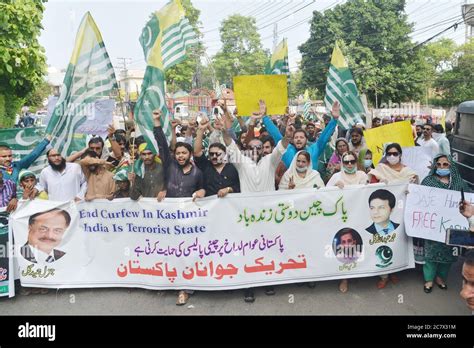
(419, 159)
(240, 241)
(431, 211)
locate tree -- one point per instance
(22, 59)
(242, 52)
(180, 76)
(456, 85)
(36, 97)
(374, 37)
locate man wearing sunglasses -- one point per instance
(428, 141)
(220, 177)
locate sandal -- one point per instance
(343, 286)
(393, 278)
(249, 296)
(427, 289)
(442, 285)
(269, 291)
(26, 291)
(382, 283)
(182, 298)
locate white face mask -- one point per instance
(302, 169)
(393, 160)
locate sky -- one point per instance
(121, 23)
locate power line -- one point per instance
(265, 26)
(281, 8)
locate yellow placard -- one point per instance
(249, 89)
(398, 132)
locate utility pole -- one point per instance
(123, 78)
(275, 36)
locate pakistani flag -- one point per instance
(89, 77)
(164, 40)
(340, 86)
(278, 64)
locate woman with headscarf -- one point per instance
(349, 175)
(390, 170)
(438, 256)
(301, 174)
(334, 164)
(365, 160)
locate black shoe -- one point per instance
(269, 291)
(249, 296)
(427, 289)
(442, 286)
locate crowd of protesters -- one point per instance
(226, 154)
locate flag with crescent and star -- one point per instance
(340, 86)
(89, 77)
(164, 40)
(278, 63)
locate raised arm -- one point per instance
(117, 151)
(26, 161)
(161, 138)
(198, 150)
(317, 148)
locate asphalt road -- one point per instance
(363, 298)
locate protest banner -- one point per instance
(398, 132)
(241, 241)
(419, 159)
(249, 89)
(7, 287)
(431, 211)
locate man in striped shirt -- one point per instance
(7, 194)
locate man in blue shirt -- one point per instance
(300, 138)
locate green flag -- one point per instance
(340, 86)
(164, 40)
(22, 141)
(89, 77)
(278, 63)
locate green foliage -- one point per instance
(180, 76)
(456, 84)
(242, 52)
(22, 59)
(35, 98)
(374, 37)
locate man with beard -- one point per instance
(100, 182)
(152, 180)
(300, 139)
(63, 181)
(184, 179)
(256, 171)
(268, 145)
(220, 177)
(95, 144)
(376, 122)
(419, 133)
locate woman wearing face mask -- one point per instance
(438, 256)
(301, 174)
(349, 175)
(365, 160)
(391, 170)
(334, 164)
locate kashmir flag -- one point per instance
(278, 64)
(306, 105)
(340, 86)
(89, 77)
(164, 40)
